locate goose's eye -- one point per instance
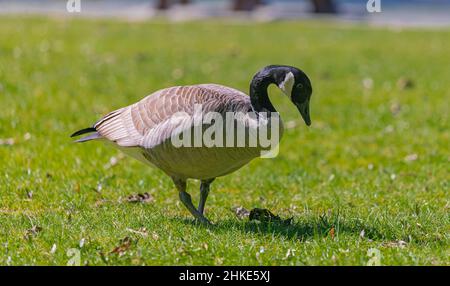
(299, 86)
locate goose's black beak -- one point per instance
(304, 111)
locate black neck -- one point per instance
(258, 91)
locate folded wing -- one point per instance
(155, 118)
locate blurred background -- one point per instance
(394, 12)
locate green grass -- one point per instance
(347, 172)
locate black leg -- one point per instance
(187, 201)
(204, 191)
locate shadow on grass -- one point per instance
(300, 230)
(297, 230)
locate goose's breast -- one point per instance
(197, 162)
(206, 158)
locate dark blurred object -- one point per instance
(162, 4)
(165, 4)
(265, 215)
(324, 6)
(246, 5)
(320, 6)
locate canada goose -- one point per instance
(144, 130)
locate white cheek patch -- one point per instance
(287, 84)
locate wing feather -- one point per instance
(150, 121)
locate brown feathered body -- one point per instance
(145, 130)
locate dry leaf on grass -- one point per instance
(395, 108)
(405, 83)
(141, 231)
(332, 232)
(29, 194)
(76, 188)
(367, 83)
(265, 215)
(124, 245)
(398, 243)
(411, 157)
(7, 141)
(241, 212)
(100, 203)
(140, 198)
(32, 232)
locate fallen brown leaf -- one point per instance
(7, 141)
(141, 231)
(398, 243)
(76, 188)
(140, 198)
(332, 232)
(265, 215)
(30, 233)
(411, 157)
(124, 245)
(100, 202)
(405, 83)
(395, 108)
(241, 212)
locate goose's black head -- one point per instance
(297, 86)
(293, 82)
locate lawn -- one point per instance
(368, 182)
